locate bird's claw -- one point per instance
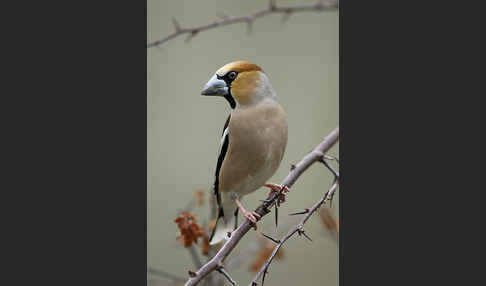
(253, 217)
(274, 188)
(277, 188)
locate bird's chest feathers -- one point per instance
(256, 134)
(256, 147)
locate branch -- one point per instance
(319, 6)
(298, 229)
(217, 261)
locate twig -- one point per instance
(248, 20)
(298, 229)
(334, 172)
(263, 209)
(226, 274)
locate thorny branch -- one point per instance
(272, 8)
(299, 229)
(217, 261)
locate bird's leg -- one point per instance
(276, 188)
(252, 216)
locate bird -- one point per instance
(253, 141)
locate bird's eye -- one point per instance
(232, 75)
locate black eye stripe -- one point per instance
(227, 78)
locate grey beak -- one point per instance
(215, 87)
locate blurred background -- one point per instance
(301, 58)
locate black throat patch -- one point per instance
(230, 99)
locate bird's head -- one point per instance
(241, 83)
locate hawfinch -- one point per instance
(252, 144)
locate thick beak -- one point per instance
(216, 87)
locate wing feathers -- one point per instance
(222, 154)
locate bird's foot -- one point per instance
(274, 188)
(277, 188)
(251, 216)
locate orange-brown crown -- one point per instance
(247, 82)
(238, 66)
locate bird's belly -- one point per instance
(255, 180)
(252, 163)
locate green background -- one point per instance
(301, 58)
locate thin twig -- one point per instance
(263, 209)
(248, 20)
(298, 229)
(334, 172)
(226, 274)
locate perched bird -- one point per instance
(253, 140)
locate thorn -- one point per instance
(176, 24)
(301, 231)
(221, 270)
(302, 212)
(272, 5)
(191, 35)
(292, 166)
(320, 4)
(336, 174)
(276, 213)
(191, 273)
(271, 238)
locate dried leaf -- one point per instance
(328, 220)
(189, 230)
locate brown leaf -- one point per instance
(189, 230)
(328, 220)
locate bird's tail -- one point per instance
(225, 221)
